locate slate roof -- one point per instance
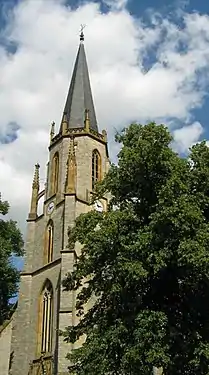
(79, 95)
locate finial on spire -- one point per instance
(36, 177)
(52, 132)
(82, 33)
(34, 198)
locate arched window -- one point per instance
(55, 173)
(96, 168)
(49, 239)
(45, 318)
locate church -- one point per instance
(30, 343)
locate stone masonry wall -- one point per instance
(5, 342)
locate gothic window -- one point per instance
(45, 324)
(96, 168)
(49, 242)
(55, 173)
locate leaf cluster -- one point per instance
(11, 243)
(145, 263)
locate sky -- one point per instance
(148, 61)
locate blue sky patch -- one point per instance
(10, 134)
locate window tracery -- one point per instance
(55, 173)
(96, 168)
(49, 242)
(45, 318)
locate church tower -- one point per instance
(78, 158)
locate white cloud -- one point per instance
(34, 81)
(186, 136)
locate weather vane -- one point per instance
(81, 33)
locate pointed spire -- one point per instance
(79, 95)
(35, 191)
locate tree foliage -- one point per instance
(145, 263)
(11, 243)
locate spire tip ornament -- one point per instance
(82, 33)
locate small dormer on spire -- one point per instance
(34, 197)
(64, 124)
(87, 120)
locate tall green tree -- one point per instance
(145, 263)
(11, 243)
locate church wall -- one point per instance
(64, 348)
(62, 148)
(65, 152)
(57, 217)
(36, 253)
(53, 151)
(66, 297)
(63, 216)
(5, 343)
(84, 150)
(53, 274)
(29, 247)
(67, 311)
(82, 208)
(38, 244)
(69, 217)
(27, 318)
(21, 328)
(26, 322)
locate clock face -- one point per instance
(98, 206)
(50, 208)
